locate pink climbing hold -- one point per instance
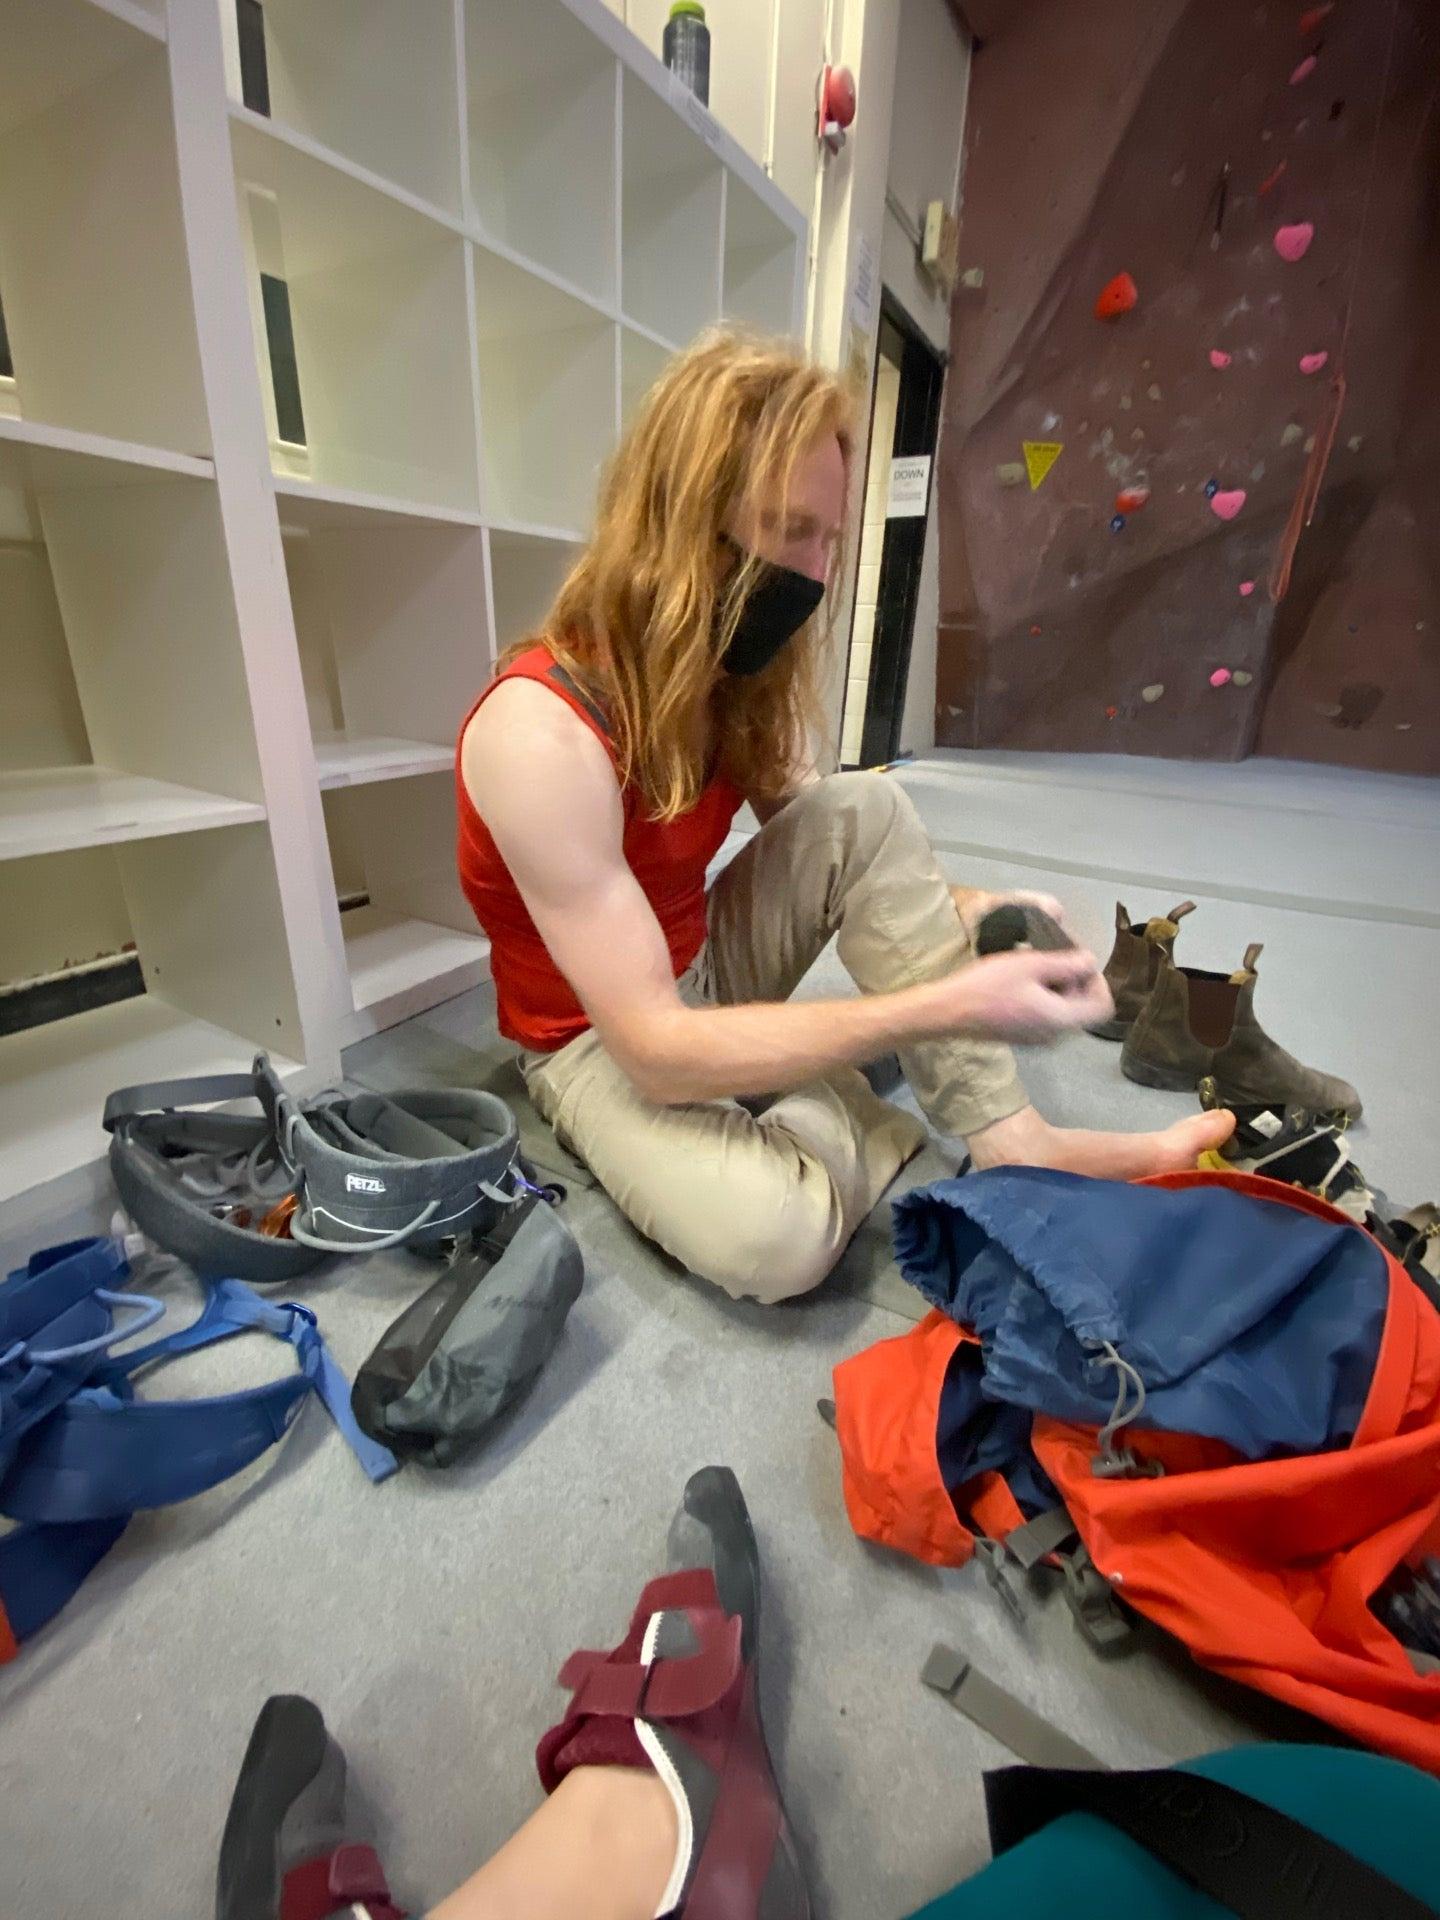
(1303, 72)
(1220, 677)
(1293, 243)
(1313, 362)
(1227, 505)
(1219, 359)
(1247, 587)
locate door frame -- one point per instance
(917, 431)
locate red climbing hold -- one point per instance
(1117, 296)
(1132, 499)
(1110, 712)
(1272, 179)
(1312, 362)
(1311, 18)
(1036, 630)
(1225, 505)
(1219, 359)
(1247, 587)
(1303, 72)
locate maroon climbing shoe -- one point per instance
(680, 1693)
(286, 1853)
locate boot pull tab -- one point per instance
(1179, 913)
(1122, 917)
(1246, 970)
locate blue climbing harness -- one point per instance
(79, 1454)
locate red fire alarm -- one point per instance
(835, 106)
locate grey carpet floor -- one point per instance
(429, 1615)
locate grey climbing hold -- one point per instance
(1125, 403)
(1355, 442)
(973, 278)
(1292, 434)
(1154, 392)
(1241, 677)
(1152, 693)
(1011, 474)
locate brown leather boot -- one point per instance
(1134, 961)
(1197, 1023)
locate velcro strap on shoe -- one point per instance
(666, 1690)
(692, 1589)
(337, 1882)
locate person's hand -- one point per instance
(1026, 998)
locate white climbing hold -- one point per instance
(1152, 693)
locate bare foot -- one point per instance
(973, 903)
(1025, 1140)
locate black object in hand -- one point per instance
(1016, 925)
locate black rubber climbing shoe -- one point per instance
(285, 1853)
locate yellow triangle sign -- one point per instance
(1040, 456)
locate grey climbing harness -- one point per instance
(339, 1173)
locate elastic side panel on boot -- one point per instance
(1212, 1001)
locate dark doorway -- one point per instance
(908, 464)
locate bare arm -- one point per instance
(545, 788)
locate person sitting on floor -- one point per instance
(599, 773)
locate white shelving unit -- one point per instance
(672, 191)
(236, 664)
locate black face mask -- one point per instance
(776, 607)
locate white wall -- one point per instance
(932, 79)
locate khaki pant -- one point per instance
(765, 1205)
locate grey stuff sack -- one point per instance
(472, 1343)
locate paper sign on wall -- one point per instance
(1040, 456)
(909, 487)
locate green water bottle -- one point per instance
(687, 47)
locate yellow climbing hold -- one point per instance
(1040, 456)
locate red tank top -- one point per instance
(537, 1006)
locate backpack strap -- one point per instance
(1242, 1853)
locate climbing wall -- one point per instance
(1190, 471)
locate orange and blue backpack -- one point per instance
(1223, 1386)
